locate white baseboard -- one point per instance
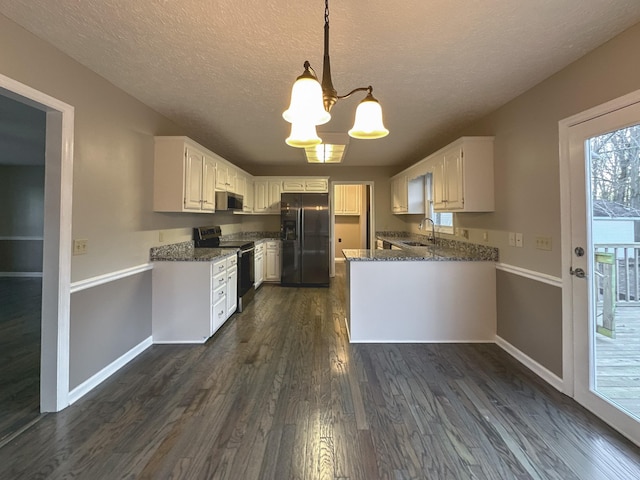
(180, 342)
(547, 375)
(91, 383)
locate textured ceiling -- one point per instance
(223, 69)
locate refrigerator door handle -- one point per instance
(300, 224)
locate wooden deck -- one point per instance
(618, 360)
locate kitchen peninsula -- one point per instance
(421, 294)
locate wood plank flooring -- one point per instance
(20, 300)
(279, 393)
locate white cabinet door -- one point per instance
(439, 185)
(352, 199)
(232, 180)
(320, 185)
(454, 178)
(347, 199)
(221, 176)
(261, 196)
(293, 185)
(208, 184)
(232, 290)
(247, 204)
(272, 273)
(399, 194)
(194, 161)
(258, 266)
(275, 190)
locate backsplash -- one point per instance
(249, 236)
(490, 253)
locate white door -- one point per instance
(604, 191)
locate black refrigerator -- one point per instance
(304, 230)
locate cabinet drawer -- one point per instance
(219, 280)
(259, 249)
(232, 261)
(218, 314)
(219, 294)
(219, 266)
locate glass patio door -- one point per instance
(605, 243)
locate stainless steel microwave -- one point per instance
(228, 201)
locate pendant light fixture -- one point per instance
(311, 103)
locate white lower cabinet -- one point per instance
(272, 270)
(258, 267)
(192, 300)
(232, 285)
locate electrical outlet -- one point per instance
(464, 233)
(80, 246)
(485, 236)
(512, 239)
(543, 243)
(519, 240)
(161, 236)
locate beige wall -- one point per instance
(348, 233)
(527, 187)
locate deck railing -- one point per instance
(623, 264)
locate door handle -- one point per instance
(578, 272)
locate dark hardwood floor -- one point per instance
(279, 393)
(20, 300)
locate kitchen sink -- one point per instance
(417, 244)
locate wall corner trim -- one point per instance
(546, 375)
(92, 382)
(109, 277)
(531, 274)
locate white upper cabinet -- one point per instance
(247, 205)
(267, 195)
(463, 176)
(226, 177)
(292, 185)
(183, 175)
(462, 179)
(407, 195)
(347, 199)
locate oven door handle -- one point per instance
(244, 252)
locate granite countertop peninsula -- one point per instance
(185, 252)
(445, 250)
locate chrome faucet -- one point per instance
(433, 228)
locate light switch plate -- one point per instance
(519, 240)
(543, 243)
(512, 239)
(80, 246)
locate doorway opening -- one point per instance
(56, 240)
(352, 218)
(22, 153)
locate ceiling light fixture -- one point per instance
(331, 150)
(311, 103)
